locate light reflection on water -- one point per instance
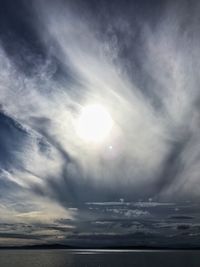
(98, 258)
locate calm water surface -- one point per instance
(98, 258)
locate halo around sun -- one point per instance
(94, 123)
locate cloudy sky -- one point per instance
(133, 179)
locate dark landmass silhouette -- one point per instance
(68, 247)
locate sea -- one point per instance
(99, 258)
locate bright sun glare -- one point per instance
(94, 123)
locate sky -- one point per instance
(139, 60)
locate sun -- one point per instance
(94, 123)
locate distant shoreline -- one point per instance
(100, 249)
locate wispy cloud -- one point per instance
(145, 72)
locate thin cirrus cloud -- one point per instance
(155, 131)
(144, 71)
